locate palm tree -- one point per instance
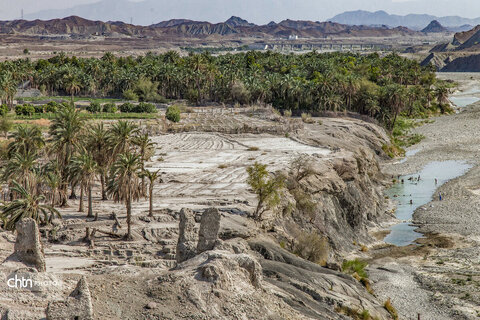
(26, 206)
(6, 124)
(83, 170)
(122, 135)
(98, 145)
(146, 149)
(26, 139)
(65, 133)
(442, 93)
(124, 182)
(393, 96)
(52, 181)
(71, 81)
(8, 88)
(330, 100)
(152, 176)
(21, 167)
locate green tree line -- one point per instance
(380, 87)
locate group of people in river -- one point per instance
(416, 180)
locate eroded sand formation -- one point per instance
(245, 273)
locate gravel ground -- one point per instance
(397, 282)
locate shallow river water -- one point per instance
(419, 192)
(466, 97)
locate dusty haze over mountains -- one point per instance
(258, 11)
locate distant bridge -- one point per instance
(324, 46)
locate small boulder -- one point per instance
(78, 306)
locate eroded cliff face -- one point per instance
(337, 197)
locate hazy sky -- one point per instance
(308, 9)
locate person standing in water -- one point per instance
(436, 181)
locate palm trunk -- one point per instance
(73, 195)
(80, 208)
(63, 196)
(90, 206)
(102, 182)
(150, 197)
(129, 217)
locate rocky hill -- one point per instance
(454, 61)
(434, 27)
(238, 22)
(172, 23)
(466, 41)
(181, 27)
(72, 26)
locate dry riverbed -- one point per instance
(440, 277)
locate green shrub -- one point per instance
(173, 113)
(307, 118)
(25, 110)
(109, 108)
(144, 107)
(192, 95)
(130, 95)
(240, 93)
(127, 107)
(313, 247)
(355, 266)
(19, 109)
(94, 107)
(146, 90)
(39, 108)
(3, 109)
(51, 107)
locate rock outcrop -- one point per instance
(208, 233)
(219, 265)
(28, 246)
(315, 292)
(187, 236)
(78, 306)
(261, 281)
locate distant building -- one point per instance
(293, 37)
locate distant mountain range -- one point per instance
(412, 21)
(235, 26)
(148, 12)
